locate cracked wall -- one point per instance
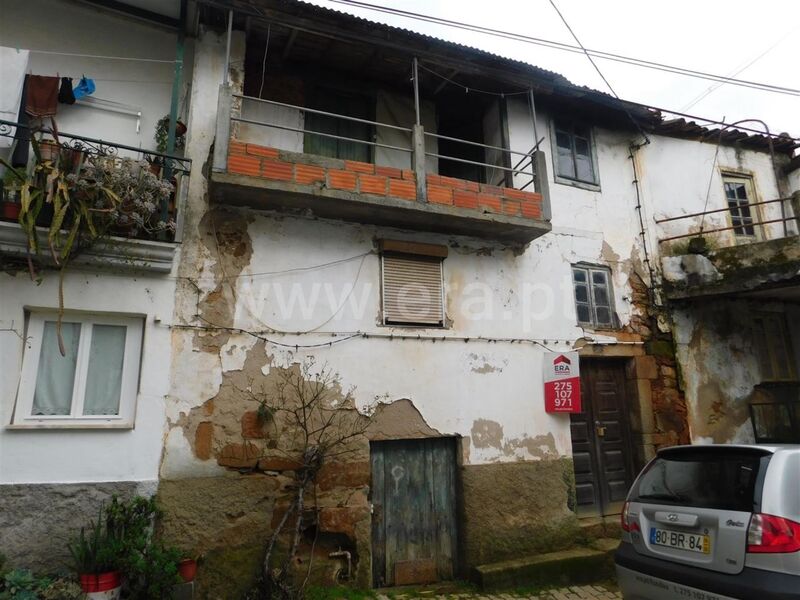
(720, 365)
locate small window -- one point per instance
(739, 196)
(593, 299)
(574, 158)
(92, 383)
(413, 289)
(774, 347)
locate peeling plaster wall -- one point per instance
(720, 368)
(676, 178)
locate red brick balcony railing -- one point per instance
(264, 177)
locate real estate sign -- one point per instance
(562, 383)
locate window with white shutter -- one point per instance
(413, 288)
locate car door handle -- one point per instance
(675, 518)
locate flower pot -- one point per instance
(101, 586)
(187, 569)
(10, 211)
(49, 150)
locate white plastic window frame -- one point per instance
(129, 388)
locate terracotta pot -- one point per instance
(10, 211)
(187, 569)
(180, 129)
(101, 585)
(49, 150)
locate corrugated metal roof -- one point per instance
(651, 119)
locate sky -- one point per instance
(715, 36)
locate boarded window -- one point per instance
(592, 287)
(412, 290)
(574, 152)
(773, 347)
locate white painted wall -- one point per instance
(81, 455)
(66, 456)
(60, 26)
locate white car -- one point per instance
(718, 522)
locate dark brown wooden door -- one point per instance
(413, 511)
(601, 447)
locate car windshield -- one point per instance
(724, 479)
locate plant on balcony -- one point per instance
(162, 134)
(101, 197)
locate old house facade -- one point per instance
(432, 223)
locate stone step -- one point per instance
(566, 567)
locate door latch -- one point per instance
(599, 429)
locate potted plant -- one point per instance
(9, 195)
(162, 134)
(48, 150)
(95, 560)
(187, 569)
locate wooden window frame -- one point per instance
(752, 197)
(591, 303)
(23, 418)
(762, 345)
(568, 126)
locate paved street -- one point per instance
(583, 592)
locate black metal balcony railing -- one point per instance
(165, 166)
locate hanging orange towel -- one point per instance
(42, 95)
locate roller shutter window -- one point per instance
(413, 290)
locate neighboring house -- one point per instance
(731, 268)
(435, 224)
(77, 429)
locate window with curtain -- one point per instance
(93, 382)
(573, 149)
(340, 103)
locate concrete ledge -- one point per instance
(568, 567)
(116, 252)
(325, 202)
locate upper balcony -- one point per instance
(744, 249)
(90, 201)
(373, 146)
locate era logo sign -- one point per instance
(562, 383)
(562, 366)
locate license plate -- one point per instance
(683, 541)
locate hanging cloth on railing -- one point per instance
(85, 87)
(19, 158)
(13, 65)
(42, 95)
(65, 94)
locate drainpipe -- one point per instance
(177, 82)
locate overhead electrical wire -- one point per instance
(570, 48)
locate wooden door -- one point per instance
(601, 447)
(414, 536)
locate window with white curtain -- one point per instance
(89, 378)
